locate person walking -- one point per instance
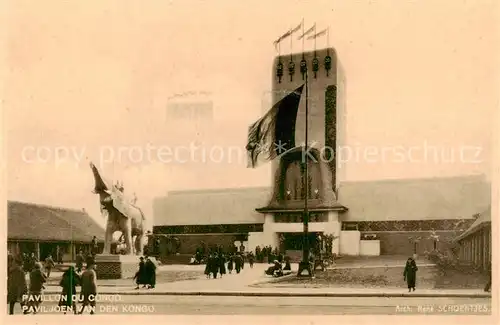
(410, 273)
(37, 280)
(59, 255)
(230, 263)
(487, 287)
(69, 281)
(208, 265)
(140, 276)
(49, 264)
(93, 246)
(150, 270)
(238, 261)
(251, 259)
(26, 263)
(89, 289)
(288, 267)
(89, 260)
(222, 264)
(214, 265)
(79, 262)
(16, 285)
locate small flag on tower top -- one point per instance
(287, 34)
(321, 33)
(307, 32)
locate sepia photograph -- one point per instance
(193, 157)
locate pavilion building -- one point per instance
(365, 218)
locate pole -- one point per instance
(315, 38)
(303, 37)
(305, 255)
(305, 265)
(328, 38)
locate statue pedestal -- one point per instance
(109, 266)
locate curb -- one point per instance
(290, 294)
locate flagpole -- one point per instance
(303, 37)
(305, 265)
(305, 257)
(315, 45)
(328, 40)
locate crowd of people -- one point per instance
(219, 262)
(27, 277)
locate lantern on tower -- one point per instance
(328, 64)
(315, 65)
(291, 69)
(279, 71)
(303, 67)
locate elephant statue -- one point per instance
(122, 214)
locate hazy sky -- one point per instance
(93, 76)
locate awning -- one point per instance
(482, 221)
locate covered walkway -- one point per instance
(475, 242)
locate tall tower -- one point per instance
(326, 125)
(283, 225)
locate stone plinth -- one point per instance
(116, 266)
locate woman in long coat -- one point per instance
(88, 293)
(238, 261)
(230, 263)
(222, 264)
(214, 265)
(141, 276)
(208, 266)
(70, 280)
(16, 285)
(410, 273)
(150, 271)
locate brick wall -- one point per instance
(397, 243)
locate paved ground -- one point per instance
(245, 284)
(192, 305)
(377, 261)
(248, 276)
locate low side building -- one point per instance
(475, 242)
(391, 211)
(41, 229)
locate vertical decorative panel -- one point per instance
(331, 131)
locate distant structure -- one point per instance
(192, 107)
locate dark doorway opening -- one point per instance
(46, 249)
(295, 241)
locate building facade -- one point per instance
(45, 229)
(365, 218)
(392, 211)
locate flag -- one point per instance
(307, 32)
(274, 133)
(287, 34)
(323, 32)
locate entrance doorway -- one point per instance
(293, 243)
(294, 240)
(46, 249)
